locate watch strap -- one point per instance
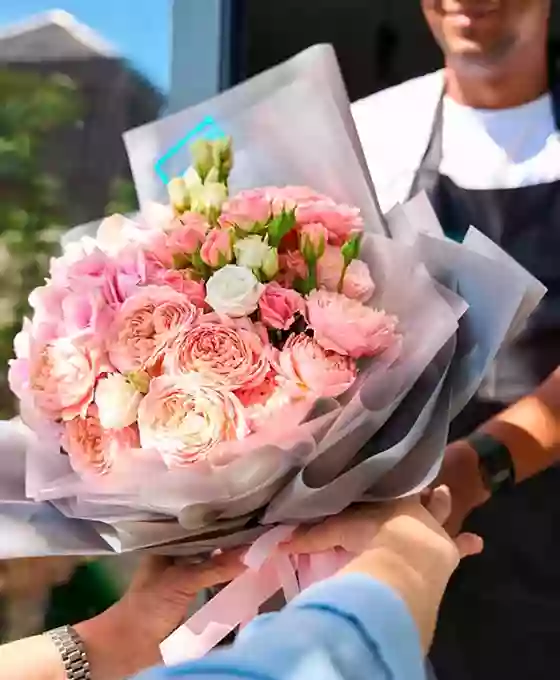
(494, 460)
(72, 651)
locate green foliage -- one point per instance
(32, 106)
(123, 197)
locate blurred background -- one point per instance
(73, 78)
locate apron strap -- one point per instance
(427, 175)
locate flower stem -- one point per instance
(342, 275)
(312, 276)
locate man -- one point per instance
(481, 137)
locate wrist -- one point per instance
(420, 592)
(116, 647)
(469, 490)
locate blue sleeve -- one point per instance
(346, 628)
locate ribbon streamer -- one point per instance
(269, 571)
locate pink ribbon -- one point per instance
(237, 604)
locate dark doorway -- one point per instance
(379, 42)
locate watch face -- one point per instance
(495, 463)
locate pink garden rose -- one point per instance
(306, 364)
(357, 283)
(292, 267)
(186, 421)
(279, 306)
(340, 221)
(272, 405)
(188, 234)
(217, 249)
(94, 451)
(146, 323)
(62, 375)
(348, 327)
(231, 356)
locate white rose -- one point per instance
(233, 291)
(117, 402)
(251, 252)
(116, 232)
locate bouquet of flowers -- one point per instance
(181, 345)
(246, 352)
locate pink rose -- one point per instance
(188, 234)
(312, 240)
(306, 364)
(357, 283)
(217, 249)
(224, 356)
(183, 282)
(340, 221)
(288, 197)
(292, 267)
(279, 306)
(295, 194)
(94, 451)
(186, 421)
(62, 375)
(145, 323)
(348, 327)
(246, 209)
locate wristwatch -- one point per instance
(494, 461)
(73, 652)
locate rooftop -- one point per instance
(52, 36)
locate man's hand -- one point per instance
(402, 544)
(359, 527)
(460, 473)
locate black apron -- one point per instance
(501, 614)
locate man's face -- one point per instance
(485, 31)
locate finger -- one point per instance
(220, 569)
(307, 540)
(469, 544)
(439, 505)
(425, 497)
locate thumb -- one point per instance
(439, 504)
(468, 544)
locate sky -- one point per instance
(139, 29)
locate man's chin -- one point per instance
(476, 56)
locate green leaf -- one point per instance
(281, 225)
(351, 249)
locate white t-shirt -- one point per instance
(482, 149)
